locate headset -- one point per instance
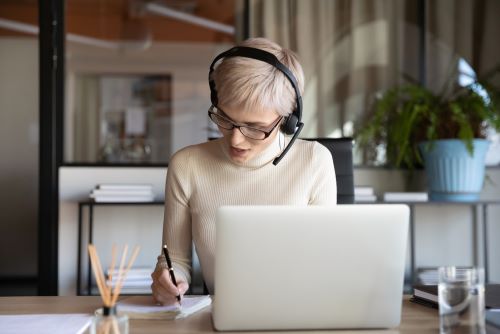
(292, 124)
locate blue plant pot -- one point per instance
(454, 175)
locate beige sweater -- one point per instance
(202, 178)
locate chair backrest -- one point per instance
(341, 150)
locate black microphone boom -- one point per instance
(285, 151)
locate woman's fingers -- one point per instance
(161, 296)
(166, 283)
(164, 291)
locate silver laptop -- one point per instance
(281, 267)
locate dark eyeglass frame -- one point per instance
(267, 133)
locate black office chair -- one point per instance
(341, 150)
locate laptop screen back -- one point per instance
(280, 267)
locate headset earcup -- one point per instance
(289, 124)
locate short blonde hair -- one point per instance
(251, 84)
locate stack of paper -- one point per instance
(364, 194)
(406, 197)
(428, 276)
(143, 307)
(122, 193)
(137, 281)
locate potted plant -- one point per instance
(444, 132)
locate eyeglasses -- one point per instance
(247, 131)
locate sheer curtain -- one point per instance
(87, 119)
(352, 49)
(349, 50)
(461, 29)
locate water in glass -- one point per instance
(461, 306)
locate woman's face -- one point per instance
(241, 148)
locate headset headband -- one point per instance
(253, 53)
(292, 124)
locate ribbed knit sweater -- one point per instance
(202, 177)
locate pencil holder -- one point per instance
(109, 322)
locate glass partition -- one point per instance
(19, 138)
(351, 50)
(136, 76)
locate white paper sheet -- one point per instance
(44, 323)
(142, 307)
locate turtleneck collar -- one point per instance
(263, 158)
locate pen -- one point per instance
(171, 270)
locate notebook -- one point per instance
(428, 295)
(292, 268)
(493, 318)
(143, 307)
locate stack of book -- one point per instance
(122, 193)
(137, 281)
(364, 194)
(405, 197)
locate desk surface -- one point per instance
(415, 318)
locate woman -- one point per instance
(252, 100)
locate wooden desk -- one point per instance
(415, 318)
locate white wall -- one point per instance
(443, 233)
(135, 225)
(18, 156)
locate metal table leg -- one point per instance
(485, 242)
(412, 244)
(79, 251)
(89, 269)
(475, 259)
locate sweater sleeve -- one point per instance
(324, 189)
(177, 217)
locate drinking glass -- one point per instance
(461, 300)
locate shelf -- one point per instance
(92, 203)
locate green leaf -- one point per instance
(405, 115)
